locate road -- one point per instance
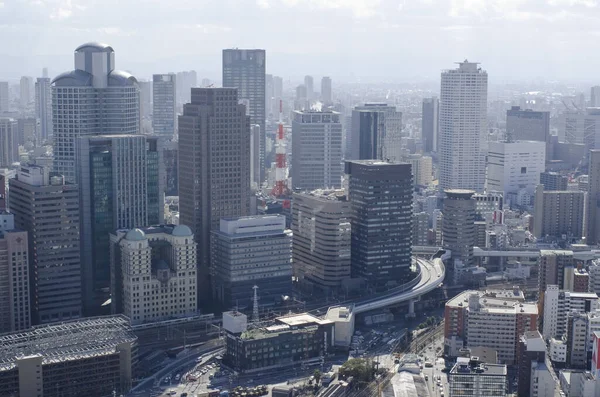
(431, 352)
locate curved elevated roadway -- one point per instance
(432, 275)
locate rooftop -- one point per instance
(493, 302)
(474, 367)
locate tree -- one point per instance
(317, 374)
(359, 368)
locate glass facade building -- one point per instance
(122, 187)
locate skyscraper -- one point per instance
(43, 108)
(376, 133)
(326, 94)
(595, 96)
(25, 91)
(309, 83)
(121, 180)
(185, 82)
(245, 70)
(47, 207)
(145, 98)
(463, 127)
(9, 141)
(527, 125)
(380, 197)
(429, 124)
(559, 213)
(316, 150)
(593, 197)
(458, 228)
(4, 98)
(105, 101)
(214, 164)
(164, 105)
(15, 312)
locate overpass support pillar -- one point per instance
(411, 309)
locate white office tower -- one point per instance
(463, 127)
(595, 96)
(514, 168)
(326, 92)
(558, 304)
(422, 168)
(161, 262)
(25, 92)
(309, 83)
(581, 127)
(4, 99)
(43, 108)
(93, 99)
(9, 142)
(164, 105)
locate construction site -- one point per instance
(93, 356)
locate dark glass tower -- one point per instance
(380, 195)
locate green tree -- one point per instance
(359, 368)
(317, 374)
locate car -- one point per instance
(177, 377)
(183, 395)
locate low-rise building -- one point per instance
(87, 357)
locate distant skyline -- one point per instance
(376, 40)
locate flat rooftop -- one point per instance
(302, 319)
(466, 366)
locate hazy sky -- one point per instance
(399, 40)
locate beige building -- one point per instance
(156, 267)
(559, 213)
(422, 168)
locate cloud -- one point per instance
(358, 8)
(263, 3)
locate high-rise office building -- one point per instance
(515, 166)
(47, 207)
(25, 88)
(581, 127)
(27, 130)
(9, 141)
(93, 99)
(463, 127)
(214, 164)
(309, 83)
(145, 98)
(316, 150)
(376, 133)
(15, 313)
(251, 251)
(277, 94)
(185, 82)
(552, 265)
(422, 168)
(158, 260)
(559, 213)
(527, 125)
(593, 197)
(420, 228)
(269, 97)
(121, 180)
(595, 96)
(4, 97)
(380, 195)
(164, 105)
(170, 160)
(245, 70)
(321, 239)
(458, 228)
(554, 181)
(430, 124)
(326, 90)
(43, 108)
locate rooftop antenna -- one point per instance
(255, 317)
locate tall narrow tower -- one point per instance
(280, 190)
(255, 316)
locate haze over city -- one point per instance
(366, 40)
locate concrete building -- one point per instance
(316, 150)
(326, 91)
(245, 70)
(164, 105)
(559, 213)
(121, 179)
(15, 313)
(4, 97)
(463, 127)
(145, 99)
(531, 351)
(581, 127)
(159, 260)
(47, 207)
(9, 142)
(213, 187)
(322, 238)
(592, 234)
(420, 231)
(471, 315)
(186, 80)
(527, 125)
(107, 101)
(27, 131)
(559, 303)
(471, 377)
(594, 276)
(380, 197)
(90, 357)
(458, 229)
(309, 83)
(554, 181)
(251, 251)
(376, 133)
(577, 339)
(595, 96)
(515, 166)
(429, 124)
(422, 168)
(43, 108)
(552, 265)
(25, 88)
(288, 341)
